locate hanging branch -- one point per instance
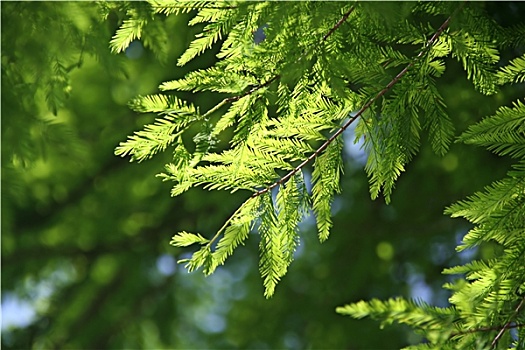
(387, 88)
(504, 327)
(252, 90)
(338, 24)
(508, 325)
(193, 7)
(277, 77)
(500, 328)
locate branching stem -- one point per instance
(367, 105)
(488, 329)
(508, 325)
(217, 235)
(321, 148)
(276, 77)
(193, 7)
(249, 92)
(500, 328)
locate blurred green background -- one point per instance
(86, 260)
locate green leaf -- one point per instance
(236, 233)
(130, 30)
(501, 133)
(175, 117)
(272, 263)
(514, 72)
(201, 258)
(184, 239)
(328, 168)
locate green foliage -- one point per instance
(514, 72)
(327, 171)
(156, 137)
(184, 239)
(433, 323)
(279, 237)
(288, 99)
(484, 308)
(490, 299)
(79, 226)
(501, 133)
(37, 86)
(140, 24)
(236, 231)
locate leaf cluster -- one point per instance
(288, 98)
(488, 301)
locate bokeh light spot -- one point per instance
(385, 251)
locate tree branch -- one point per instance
(249, 92)
(508, 325)
(276, 77)
(367, 105)
(338, 24)
(204, 6)
(395, 80)
(500, 328)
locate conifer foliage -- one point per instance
(295, 76)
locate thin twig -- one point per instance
(278, 76)
(194, 7)
(488, 329)
(217, 235)
(249, 92)
(508, 325)
(360, 112)
(338, 24)
(238, 97)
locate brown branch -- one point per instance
(500, 328)
(194, 7)
(387, 88)
(278, 76)
(238, 97)
(252, 90)
(338, 24)
(508, 325)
